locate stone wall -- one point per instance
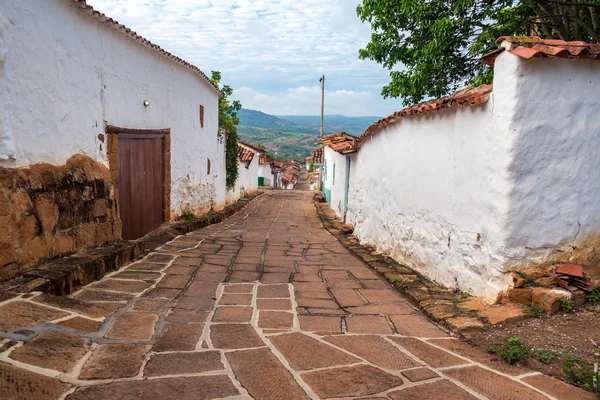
(49, 211)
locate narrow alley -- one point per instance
(267, 305)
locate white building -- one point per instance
(471, 186)
(248, 165)
(73, 81)
(267, 173)
(336, 171)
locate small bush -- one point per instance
(579, 374)
(529, 278)
(594, 296)
(534, 310)
(465, 295)
(544, 356)
(512, 352)
(455, 300)
(188, 216)
(566, 305)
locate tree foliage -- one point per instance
(439, 41)
(228, 122)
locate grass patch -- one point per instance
(579, 374)
(544, 356)
(513, 351)
(188, 216)
(395, 280)
(566, 305)
(594, 296)
(534, 310)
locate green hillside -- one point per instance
(293, 137)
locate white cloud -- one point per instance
(275, 48)
(306, 100)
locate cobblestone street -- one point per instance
(267, 305)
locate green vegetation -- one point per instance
(594, 296)
(228, 121)
(578, 373)
(534, 310)
(529, 278)
(566, 305)
(455, 300)
(188, 216)
(544, 356)
(438, 42)
(396, 280)
(513, 351)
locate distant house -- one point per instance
(248, 165)
(336, 176)
(318, 160)
(267, 172)
(469, 187)
(76, 84)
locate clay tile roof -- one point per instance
(253, 147)
(341, 142)
(264, 160)
(245, 154)
(466, 97)
(103, 18)
(532, 46)
(319, 155)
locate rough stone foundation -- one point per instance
(49, 211)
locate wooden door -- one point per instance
(141, 183)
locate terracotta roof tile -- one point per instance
(101, 17)
(466, 97)
(532, 46)
(340, 142)
(245, 154)
(319, 155)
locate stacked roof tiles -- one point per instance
(88, 9)
(245, 154)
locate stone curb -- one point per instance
(434, 300)
(63, 275)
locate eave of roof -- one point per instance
(340, 142)
(532, 46)
(128, 32)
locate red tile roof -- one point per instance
(245, 154)
(264, 160)
(103, 18)
(341, 142)
(319, 155)
(532, 46)
(465, 97)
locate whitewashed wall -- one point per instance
(465, 195)
(63, 75)
(266, 172)
(247, 182)
(337, 186)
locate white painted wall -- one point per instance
(266, 172)
(555, 168)
(63, 75)
(337, 186)
(247, 182)
(465, 195)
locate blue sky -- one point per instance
(272, 52)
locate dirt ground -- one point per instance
(576, 332)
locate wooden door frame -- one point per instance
(112, 152)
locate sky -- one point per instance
(271, 52)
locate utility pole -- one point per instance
(322, 80)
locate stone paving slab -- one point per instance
(267, 305)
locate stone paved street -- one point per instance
(267, 305)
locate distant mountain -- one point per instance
(334, 123)
(293, 137)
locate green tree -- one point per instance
(439, 41)
(228, 122)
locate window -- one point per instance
(208, 167)
(333, 174)
(201, 116)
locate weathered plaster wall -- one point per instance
(554, 197)
(49, 211)
(63, 75)
(247, 182)
(466, 195)
(336, 186)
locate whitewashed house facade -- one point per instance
(248, 166)
(336, 171)
(490, 180)
(74, 81)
